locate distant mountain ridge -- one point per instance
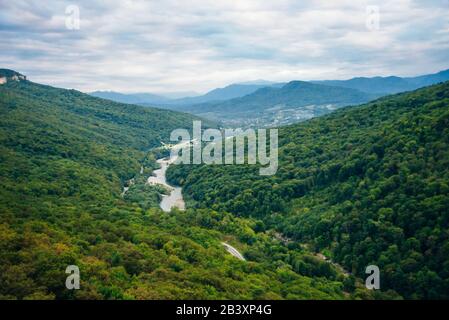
(229, 92)
(265, 103)
(301, 100)
(391, 84)
(219, 94)
(372, 85)
(132, 98)
(268, 106)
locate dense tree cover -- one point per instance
(64, 159)
(367, 184)
(144, 195)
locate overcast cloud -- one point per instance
(164, 46)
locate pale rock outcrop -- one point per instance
(10, 75)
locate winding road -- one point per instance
(233, 251)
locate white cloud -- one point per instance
(138, 45)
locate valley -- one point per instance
(213, 159)
(348, 185)
(65, 158)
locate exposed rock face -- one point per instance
(18, 77)
(10, 75)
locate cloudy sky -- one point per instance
(196, 45)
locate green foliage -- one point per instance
(144, 195)
(64, 159)
(369, 184)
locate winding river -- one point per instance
(174, 199)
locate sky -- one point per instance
(195, 45)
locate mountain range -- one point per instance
(131, 98)
(388, 85)
(218, 94)
(262, 103)
(270, 106)
(229, 92)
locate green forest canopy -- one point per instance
(366, 184)
(64, 159)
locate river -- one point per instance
(174, 199)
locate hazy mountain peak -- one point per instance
(296, 84)
(132, 98)
(257, 82)
(388, 84)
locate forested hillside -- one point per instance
(364, 185)
(64, 157)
